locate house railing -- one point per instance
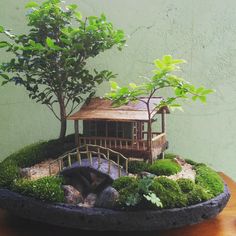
(116, 143)
(121, 143)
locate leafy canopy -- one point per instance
(163, 78)
(50, 60)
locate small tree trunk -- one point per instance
(149, 140)
(62, 118)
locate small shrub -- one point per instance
(209, 180)
(197, 195)
(123, 182)
(165, 167)
(136, 167)
(45, 189)
(186, 185)
(169, 192)
(8, 173)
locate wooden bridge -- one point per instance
(102, 159)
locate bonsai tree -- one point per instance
(163, 78)
(50, 61)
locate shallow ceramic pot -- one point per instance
(106, 219)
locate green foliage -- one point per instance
(50, 61)
(197, 195)
(45, 189)
(136, 167)
(38, 152)
(186, 185)
(165, 167)
(129, 196)
(162, 78)
(123, 182)
(169, 192)
(8, 173)
(209, 180)
(154, 199)
(136, 194)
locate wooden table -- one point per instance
(223, 225)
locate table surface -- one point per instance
(223, 225)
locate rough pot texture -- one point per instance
(106, 219)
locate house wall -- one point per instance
(202, 32)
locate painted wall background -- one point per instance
(203, 32)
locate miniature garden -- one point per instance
(51, 63)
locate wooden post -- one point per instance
(78, 157)
(69, 160)
(50, 170)
(163, 121)
(76, 126)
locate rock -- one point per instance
(146, 174)
(179, 161)
(72, 195)
(89, 201)
(25, 173)
(85, 179)
(107, 198)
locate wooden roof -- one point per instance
(101, 109)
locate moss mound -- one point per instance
(123, 182)
(186, 185)
(209, 180)
(37, 152)
(136, 167)
(45, 189)
(165, 167)
(197, 195)
(169, 192)
(9, 172)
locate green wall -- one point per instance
(202, 32)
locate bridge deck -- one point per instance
(103, 168)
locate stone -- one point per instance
(86, 179)
(146, 174)
(25, 173)
(107, 198)
(72, 195)
(89, 201)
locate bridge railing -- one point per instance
(89, 150)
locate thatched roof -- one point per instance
(102, 109)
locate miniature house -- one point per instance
(123, 129)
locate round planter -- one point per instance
(106, 219)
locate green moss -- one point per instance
(129, 197)
(170, 156)
(8, 173)
(209, 180)
(197, 195)
(37, 152)
(164, 167)
(136, 167)
(186, 185)
(45, 189)
(191, 162)
(123, 182)
(169, 192)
